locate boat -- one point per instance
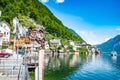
(113, 53)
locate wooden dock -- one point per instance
(10, 68)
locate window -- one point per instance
(4, 32)
(4, 26)
(0, 25)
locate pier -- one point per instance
(12, 69)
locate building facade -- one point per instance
(18, 28)
(5, 31)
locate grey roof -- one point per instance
(55, 41)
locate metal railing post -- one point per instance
(19, 72)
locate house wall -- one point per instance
(55, 41)
(46, 45)
(18, 27)
(19, 43)
(5, 30)
(72, 43)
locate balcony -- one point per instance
(1, 34)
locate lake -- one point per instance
(82, 67)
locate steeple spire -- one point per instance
(0, 13)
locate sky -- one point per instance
(96, 21)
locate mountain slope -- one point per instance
(74, 32)
(110, 45)
(35, 10)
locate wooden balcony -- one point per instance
(27, 40)
(1, 34)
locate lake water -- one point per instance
(82, 67)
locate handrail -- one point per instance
(25, 72)
(19, 72)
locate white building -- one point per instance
(93, 49)
(47, 45)
(18, 27)
(1, 40)
(55, 41)
(15, 24)
(22, 30)
(72, 43)
(5, 30)
(75, 45)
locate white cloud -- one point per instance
(59, 1)
(89, 37)
(44, 1)
(118, 29)
(107, 38)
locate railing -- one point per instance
(25, 75)
(19, 73)
(13, 70)
(9, 66)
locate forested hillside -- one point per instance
(33, 9)
(111, 45)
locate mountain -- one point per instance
(110, 45)
(74, 32)
(26, 10)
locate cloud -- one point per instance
(92, 34)
(59, 1)
(44, 1)
(118, 29)
(107, 38)
(89, 36)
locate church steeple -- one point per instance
(0, 13)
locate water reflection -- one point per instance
(75, 60)
(98, 67)
(82, 67)
(55, 62)
(114, 59)
(62, 65)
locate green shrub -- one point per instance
(82, 50)
(4, 46)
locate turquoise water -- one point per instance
(83, 67)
